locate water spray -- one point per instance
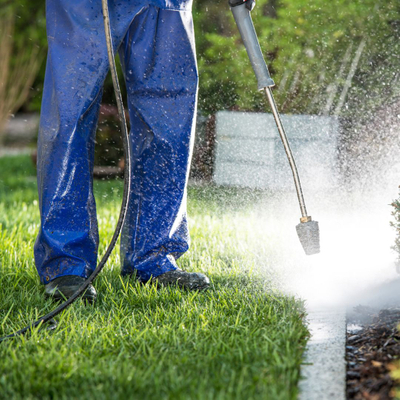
(307, 230)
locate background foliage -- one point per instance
(395, 223)
(29, 31)
(305, 44)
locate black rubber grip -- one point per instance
(249, 3)
(234, 3)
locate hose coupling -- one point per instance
(250, 4)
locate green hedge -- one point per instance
(304, 42)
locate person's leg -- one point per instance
(158, 57)
(76, 67)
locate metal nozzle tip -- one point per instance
(308, 233)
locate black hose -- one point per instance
(127, 183)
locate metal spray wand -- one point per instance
(307, 230)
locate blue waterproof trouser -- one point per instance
(156, 48)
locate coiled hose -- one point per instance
(125, 199)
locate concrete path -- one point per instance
(22, 127)
(14, 151)
(324, 369)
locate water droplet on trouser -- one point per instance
(161, 100)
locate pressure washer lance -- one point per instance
(307, 230)
(125, 199)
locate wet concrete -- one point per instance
(324, 369)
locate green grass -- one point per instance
(241, 339)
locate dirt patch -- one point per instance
(371, 349)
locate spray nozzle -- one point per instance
(308, 233)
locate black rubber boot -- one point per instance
(185, 280)
(64, 287)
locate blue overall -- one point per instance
(155, 42)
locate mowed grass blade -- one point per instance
(240, 339)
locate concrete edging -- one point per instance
(324, 370)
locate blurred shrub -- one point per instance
(310, 46)
(203, 151)
(370, 149)
(109, 147)
(396, 225)
(29, 31)
(16, 73)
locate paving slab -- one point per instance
(324, 369)
(14, 151)
(22, 127)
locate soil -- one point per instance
(371, 351)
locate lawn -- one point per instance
(242, 339)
